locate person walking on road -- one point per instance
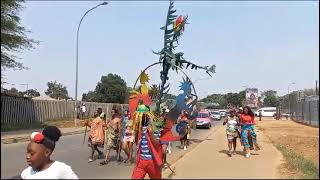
(83, 110)
(96, 136)
(232, 132)
(128, 141)
(184, 119)
(39, 150)
(149, 152)
(247, 126)
(113, 136)
(166, 146)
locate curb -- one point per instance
(27, 138)
(167, 173)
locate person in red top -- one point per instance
(247, 123)
(149, 152)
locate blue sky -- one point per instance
(255, 44)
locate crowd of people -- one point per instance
(118, 134)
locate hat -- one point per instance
(167, 110)
(240, 108)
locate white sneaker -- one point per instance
(247, 155)
(185, 148)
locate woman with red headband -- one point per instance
(39, 151)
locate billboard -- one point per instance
(252, 97)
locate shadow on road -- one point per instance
(226, 152)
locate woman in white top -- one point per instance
(39, 151)
(232, 131)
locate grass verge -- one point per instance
(298, 163)
(61, 123)
(20, 126)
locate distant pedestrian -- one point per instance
(260, 115)
(232, 131)
(39, 150)
(83, 110)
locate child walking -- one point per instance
(232, 131)
(128, 140)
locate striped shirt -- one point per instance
(157, 134)
(145, 149)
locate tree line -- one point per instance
(267, 98)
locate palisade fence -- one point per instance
(27, 110)
(306, 111)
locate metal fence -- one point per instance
(27, 110)
(307, 111)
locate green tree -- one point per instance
(13, 35)
(242, 98)
(309, 92)
(57, 90)
(89, 97)
(233, 99)
(30, 93)
(154, 91)
(270, 98)
(111, 89)
(215, 98)
(11, 92)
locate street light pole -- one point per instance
(77, 51)
(289, 97)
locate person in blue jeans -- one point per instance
(247, 123)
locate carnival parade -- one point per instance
(165, 125)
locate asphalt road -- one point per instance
(69, 149)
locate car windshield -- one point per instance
(203, 115)
(216, 113)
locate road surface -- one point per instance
(69, 149)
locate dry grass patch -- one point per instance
(298, 143)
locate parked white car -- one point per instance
(266, 111)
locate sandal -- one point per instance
(229, 153)
(256, 145)
(165, 165)
(104, 162)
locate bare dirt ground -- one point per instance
(302, 139)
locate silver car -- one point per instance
(215, 115)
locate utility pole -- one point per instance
(317, 87)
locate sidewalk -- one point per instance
(209, 160)
(24, 135)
